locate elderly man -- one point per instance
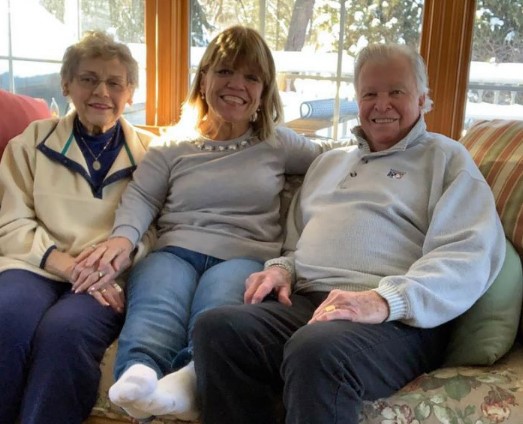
(386, 242)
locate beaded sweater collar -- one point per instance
(242, 142)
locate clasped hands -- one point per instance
(366, 306)
(97, 267)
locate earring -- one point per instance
(254, 116)
(202, 95)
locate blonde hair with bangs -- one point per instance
(239, 46)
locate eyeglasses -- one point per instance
(90, 82)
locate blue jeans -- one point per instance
(51, 344)
(166, 291)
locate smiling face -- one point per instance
(388, 100)
(233, 94)
(99, 91)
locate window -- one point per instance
(313, 43)
(445, 43)
(174, 30)
(35, 33)
(495, 85)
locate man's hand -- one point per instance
(273, 280)
(367, 307)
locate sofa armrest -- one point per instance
(16, 113)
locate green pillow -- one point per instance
(488, 329)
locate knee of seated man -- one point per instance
(225, 321)
(311, 343)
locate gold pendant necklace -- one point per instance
(96, 163)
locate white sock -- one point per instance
(135, 413)
(175, 394)
(137, 382)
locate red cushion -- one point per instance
(16, 113)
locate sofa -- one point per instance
(482, 379)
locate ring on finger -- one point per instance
(117, 287)
(329, 308)
(103, 291)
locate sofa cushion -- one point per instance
(464, 395)
(17, 112)
(497, 149)
(487, 331)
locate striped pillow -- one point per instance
(497, 149)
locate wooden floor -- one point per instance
(126, 420)
(99, 420)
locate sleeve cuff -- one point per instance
(46, 255)
(130, 233)
(283, 262)
(397, 304)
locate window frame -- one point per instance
(167, 26)
(446, 45)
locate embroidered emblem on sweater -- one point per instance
(395, 174)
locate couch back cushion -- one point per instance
(16, 113)
(487, 331)
(497, 149)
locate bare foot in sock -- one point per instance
(175, 394)
(137, 382)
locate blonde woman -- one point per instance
(214, 188)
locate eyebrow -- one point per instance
(392, 87)
(95, 74)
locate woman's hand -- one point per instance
(60, 264)
(109, 259)
(109, 294)
(366, 307)
(91, 276)
(273, 280)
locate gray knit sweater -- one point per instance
(416, 222)
(217, 198)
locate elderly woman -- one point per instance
(214, 189)
(60, 182)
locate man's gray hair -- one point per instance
(379, 52)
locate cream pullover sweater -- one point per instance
(219, 198)
(417, 223)
(47, 199)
